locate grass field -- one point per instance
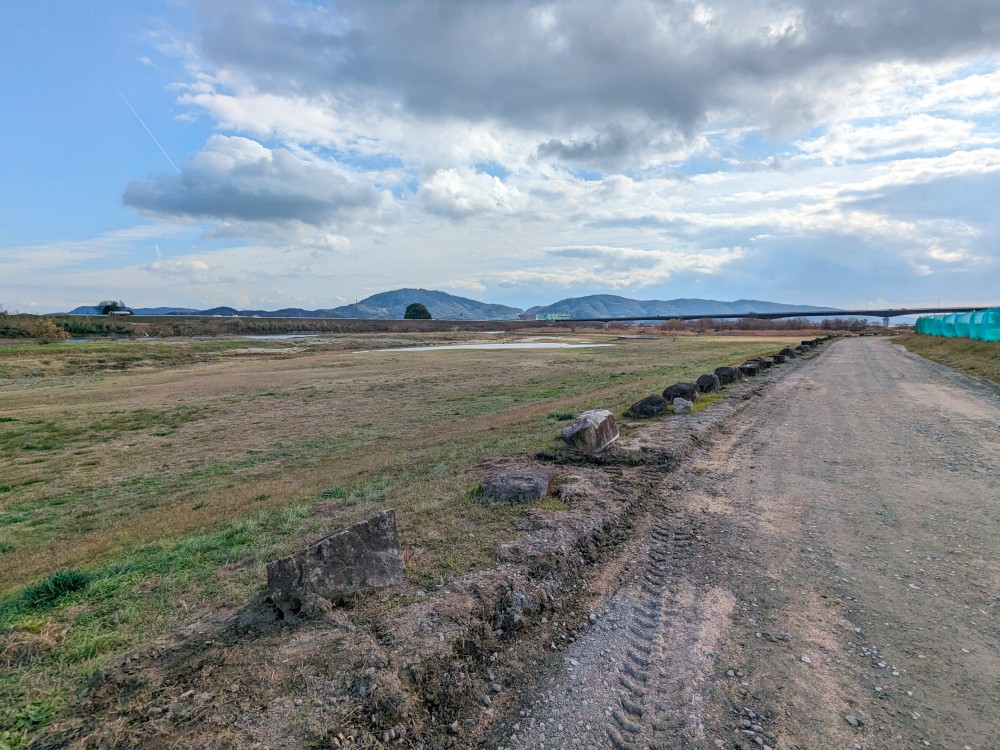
(141, 480)
(980, 358)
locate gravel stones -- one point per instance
(591, 432)
(520, 484)
(361, 557)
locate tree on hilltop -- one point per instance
(108, 306)
(416, 311)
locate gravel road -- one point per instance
(825, 574)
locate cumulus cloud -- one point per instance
(239, 179)
(629, 69)
(462, 192)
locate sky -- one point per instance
(279, 153)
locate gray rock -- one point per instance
(524, 484)
(728, 375)
(592, 432)
(852, 720)
(361, 557)
(709, 383)
(688, 391)
(789, 352)
(683, 406)
(651, 406)
(779, 359)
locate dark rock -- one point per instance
(789, 352)
(592, 432)
(709, 383)
(524, 484)
(687, 391)
(765, 362)
(809, 344)
(728, 375)
(779, 359)
(651, 406)
(750, 368)
(361, 557)
(683, 406)
(800, 350)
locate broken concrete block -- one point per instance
(728, 375)
(687, 391)
(683, 406)
(651, 406)
(361, 557)
(523, 484)
(750, 368)
(709, 383)
(592, 432)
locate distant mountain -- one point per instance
(442, 306)
(612, 306)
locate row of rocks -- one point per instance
(682, 396)
(367, 555)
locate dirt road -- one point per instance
(826, 574)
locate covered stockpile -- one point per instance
(983, 325)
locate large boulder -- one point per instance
(592, 432)
(808, 344)
(750, 368)
(687, 391)
(800, 350)
(779, 359)
(361, 557)
(683, 406)
(728, 375)
(788, 352)
(709, 383)
(651, 406)
(521, 484)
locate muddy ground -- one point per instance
(811, 563)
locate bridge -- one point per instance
(884, 314)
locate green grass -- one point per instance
(980, 358)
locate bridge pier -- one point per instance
(885, 322)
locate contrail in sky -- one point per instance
(162, 150)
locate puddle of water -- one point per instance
(522, 345)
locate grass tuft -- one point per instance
(55, 587)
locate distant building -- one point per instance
(552, 316)
(120, 312)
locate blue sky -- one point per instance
(516, 152)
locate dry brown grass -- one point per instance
(171, 483)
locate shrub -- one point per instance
(44, 331)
